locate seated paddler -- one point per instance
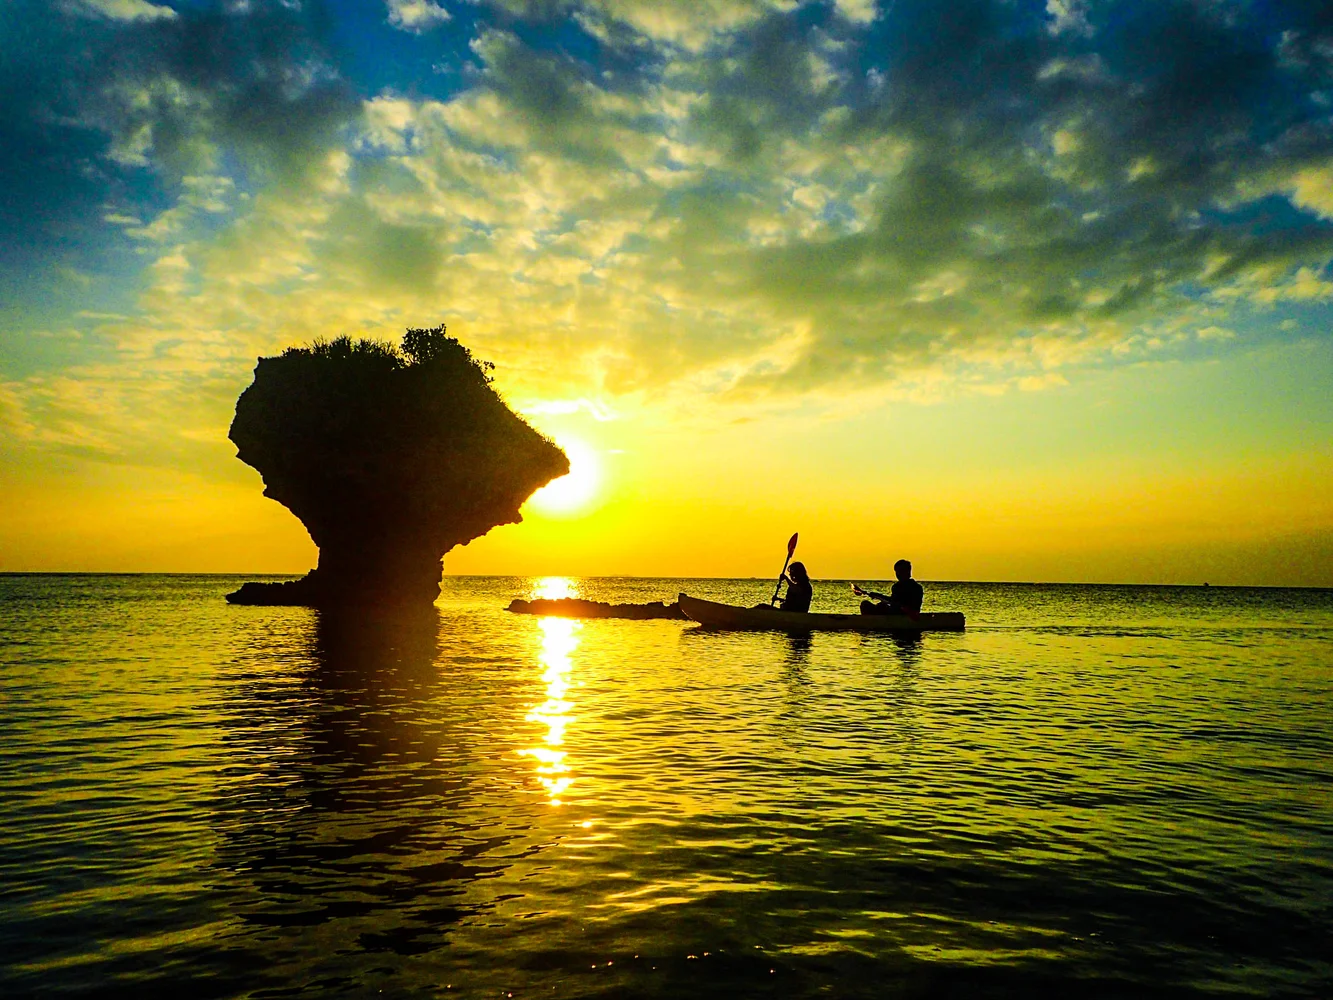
(799, 589)
(904, 598)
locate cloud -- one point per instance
(177, 93)
(1068, 16)
(565, 407)
(1036, 383)
(416, 16)
(115, 117)
(1312, 189)
(13, 418)
(124, 10)
(766, 200)
(692, 25)
(860, 11)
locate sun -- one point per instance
(574, 491)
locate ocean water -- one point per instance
(1093, 791)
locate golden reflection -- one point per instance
(560, 637)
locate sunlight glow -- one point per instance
(560, 637)
(553, 588)
(573, 492)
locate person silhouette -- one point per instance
(799, 589)
(903, 599)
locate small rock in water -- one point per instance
(574, 607)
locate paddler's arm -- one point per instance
(861, 592)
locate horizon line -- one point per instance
(829, 579)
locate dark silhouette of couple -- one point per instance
(903, 598)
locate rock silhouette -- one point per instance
(390, 457)
(574, 607)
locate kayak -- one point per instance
(728, 616)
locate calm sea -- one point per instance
(1093, 791)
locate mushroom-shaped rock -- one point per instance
(390, 457)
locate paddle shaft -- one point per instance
(791, 549)
(776, 589)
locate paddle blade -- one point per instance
(791, 544)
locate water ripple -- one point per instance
(1122, 791)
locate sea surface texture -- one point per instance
(1093, 791)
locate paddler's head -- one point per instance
(798, 573)
(903, 569)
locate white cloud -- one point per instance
(416, 15)
(1036, 383)
(1312, 189)
(1068, 16)
(124, 10)
(857, 11)
(688, 24)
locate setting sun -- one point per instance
(574, 492)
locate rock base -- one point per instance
(321, 589)
(301, 593)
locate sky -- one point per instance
(1036, 291)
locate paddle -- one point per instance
(791, 548)
(859, 592)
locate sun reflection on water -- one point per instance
(560, 637)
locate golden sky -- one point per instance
(1017, 290)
